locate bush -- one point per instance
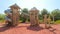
(22, 19)
(57, 22)
(40, 21)
(2, 16)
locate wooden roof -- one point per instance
(15, 6)
(34, 9)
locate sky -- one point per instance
(39, 4)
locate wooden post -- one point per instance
(49, 21)
(45, 20)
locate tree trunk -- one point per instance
(53, 19)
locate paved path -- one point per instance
(25, 29)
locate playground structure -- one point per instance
(34, 17)
(34, 20)
(15, 14)
(47, 21)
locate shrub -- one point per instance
(40, 21)
(57, 22)
(2, 16)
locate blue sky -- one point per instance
(39, 4)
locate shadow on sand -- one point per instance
(52, 30)
(34, 28)
(4, 29)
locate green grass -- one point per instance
(40, 21)
(20, 20)
(1, 21)
(57, 22)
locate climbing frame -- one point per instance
(15, 14)
(34, 17)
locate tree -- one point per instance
(40, 17)
(55, 14)
(2, 16)
(24, 14)
(43, 12)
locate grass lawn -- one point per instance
(1, 21)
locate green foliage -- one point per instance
(25, 10)
(22, 19)
(56, 14)
(57, 22)
(44, 11)
(1, 21)
(40, 17)
(2, 16)
(40, 21)
(24, 15)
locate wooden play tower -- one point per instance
(34, 17)
(15, 14)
